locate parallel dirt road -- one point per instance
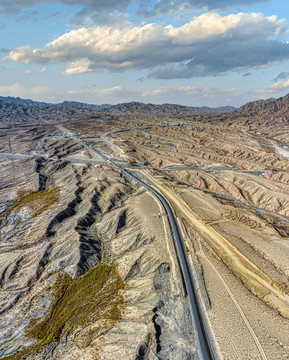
(253, 277)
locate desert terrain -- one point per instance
(88, 264)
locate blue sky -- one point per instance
(191, 52)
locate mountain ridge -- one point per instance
(29, 102)
(128, 106)
(265, 107)
(27, 109)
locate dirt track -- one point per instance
(253, 277)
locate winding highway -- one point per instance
(205, 345)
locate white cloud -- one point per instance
(276, 87)
(186, 95)
(212, 96)
(198, 95)
(29, 71)
(112, 95)
(42, 71)
(109, 91)
(78, 67)
(19, 90)
(98, 91)
(210, 44)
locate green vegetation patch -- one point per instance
(37, 202)
(78, 303)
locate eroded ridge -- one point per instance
(90, 261)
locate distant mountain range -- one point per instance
(269, 107)
(271, 111)
(29, 102)
(120, 108)
(15, 108)
(13, 112)
(164, 109)
(19, 101)
(220, 108)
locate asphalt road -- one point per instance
(205, 348)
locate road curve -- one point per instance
(206, 351)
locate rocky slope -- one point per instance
(86, 263)
(234, 178)
(269, 107)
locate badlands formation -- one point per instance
(88, 265)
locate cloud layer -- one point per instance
(276, 88)
(18, 89)
(145, 8)
(186, 95)
(162, 7)
(210, 44)
(283, 75)
(10, 7)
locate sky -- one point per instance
(189, 52)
